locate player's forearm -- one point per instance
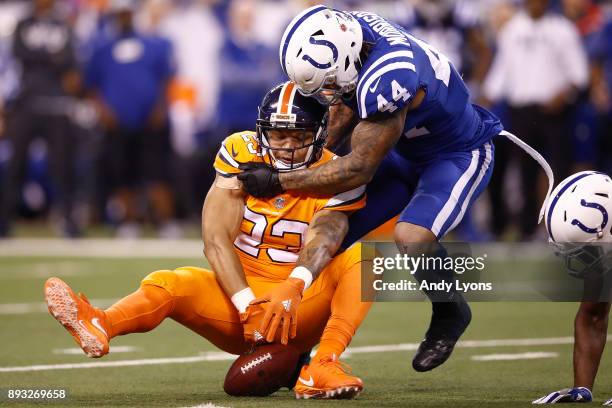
(225, 263)
(324, 239)
(221, 216)
(371, 141)
(342, 174)
(590, 332)
(341, 123)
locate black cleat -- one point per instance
(432, 353)
(440, 339)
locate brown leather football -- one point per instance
(262, 372)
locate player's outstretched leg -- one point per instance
(84, 322)
(326, 377)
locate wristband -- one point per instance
(241, 299)
(301, 272)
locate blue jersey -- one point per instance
(397, 66)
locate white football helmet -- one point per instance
(320, 50)
(578, 221)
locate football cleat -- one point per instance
(327, 378)
(578, 394)
(441, 338)
(433, 352)
(83, 321)
(608, 403)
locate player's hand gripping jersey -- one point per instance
(273, 230)
(396, 67)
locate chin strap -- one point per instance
(541, 161)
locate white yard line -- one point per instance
(78, 351)
(104, 248)
(221, 356)
(516, 356)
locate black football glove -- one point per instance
(260, 180)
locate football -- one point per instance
(262, 372)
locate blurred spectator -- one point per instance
(129, 76)
(197, 37)
(588, 19)
(43, 47)
(454, 28)
(601, 90)
(539, 68)
(248, 69)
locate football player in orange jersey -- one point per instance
(276, 274)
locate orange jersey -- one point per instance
(273, 230)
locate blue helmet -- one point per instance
(284, 107)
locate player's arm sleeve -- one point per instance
(348, 201)
(387, 89)
(235, 150)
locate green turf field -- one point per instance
(29, 336)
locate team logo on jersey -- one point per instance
(279, 203)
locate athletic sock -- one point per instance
(347, 313)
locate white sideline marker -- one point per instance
(516, 356)
(221, 356)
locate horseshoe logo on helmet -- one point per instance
(327, 44)
(596, 206)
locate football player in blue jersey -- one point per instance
(419, 142)
(583, 199)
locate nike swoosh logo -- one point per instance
(234, 152)
(373, 87)
(96, 322)
(308, 383)
(82, 324)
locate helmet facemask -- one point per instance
(329, 93)
(310, 138)
(585, 260)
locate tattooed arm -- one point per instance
(370, 142)
(323, 238)
(342, 121)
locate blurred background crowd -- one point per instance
(111, 111)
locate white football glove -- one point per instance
(578, 394)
